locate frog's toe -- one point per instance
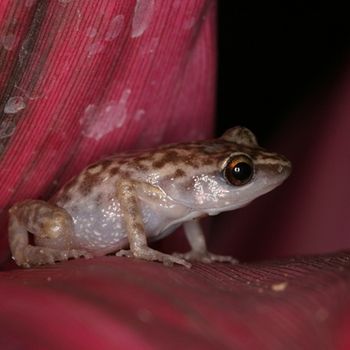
(169, 260)
(150, 254)
(36, 256)
(76, 254)
(210, 257)
(86, 255)
(64, 255)
(206, 257)
(125, 252)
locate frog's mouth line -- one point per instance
(240, 202)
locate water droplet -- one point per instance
(115, 27)
(189, 23)
(7, 128)
(95, 48)
(139, 114)
(100, 120)
(152, 45)
(143, 13)
(91, 32)
(8, 41)
(14, 104)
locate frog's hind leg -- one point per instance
(52, 228)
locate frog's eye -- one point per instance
(239, 170)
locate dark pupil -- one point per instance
(242, 171)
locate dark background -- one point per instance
(272, 61)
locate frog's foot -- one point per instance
(35, 256)
(150, 254)
(206, 257)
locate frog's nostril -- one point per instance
(284, 168)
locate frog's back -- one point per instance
(155, 166)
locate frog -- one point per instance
(122, 203)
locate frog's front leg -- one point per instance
(127, 197)
(53, 230)
(199, 251)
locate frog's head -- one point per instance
(249, 171)
(229, 172)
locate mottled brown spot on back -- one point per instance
(191, 161)
(125, 174)
(207, 161)
(98, 199)
(179, 173)
(88, 182)
(105, 164)
(122, 161)
(113, 171)
(170, 156)
(141, 167)
(142, 158)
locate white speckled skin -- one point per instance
(123, 199)
(98, 225)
